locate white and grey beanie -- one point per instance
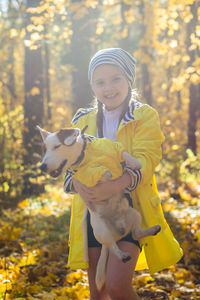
(117, 57)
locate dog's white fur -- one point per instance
(111, 221)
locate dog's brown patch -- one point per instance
(64, 133)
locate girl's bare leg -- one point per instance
(94, 254)
(119, 275)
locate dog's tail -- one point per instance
(101, 268)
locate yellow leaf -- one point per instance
(34, 91)
(173, 44)
(143, 279)
(186, 58)
(92, 3)
(198, 30)
(60, 110)
(108, 2)
(22, 33)
(190, 70)
(161, 99)
(13, 33)
(168, 206)
(183, 274)
(27, 260)
(48, 296)
(35, 36)
(51, 71)
(175, 147)
(27, 43)
(184, 194)
(117, 21)
(56, 28)
(195, 79)
(164, 86)
(23, 204)
(129, 16)
(15, 233)
(30, 27)
(40, 28)
(6, 187)
(100, 29)
(172, 134)
(32, 10)
(124, 33)
(175, 293)
(168, 122)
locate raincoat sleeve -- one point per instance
(68, 185)
(147, 141)
(136, 176)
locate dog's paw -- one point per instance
(126, 257)
(157, 228)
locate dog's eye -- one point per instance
(57, 146)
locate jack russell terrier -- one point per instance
(92, 160)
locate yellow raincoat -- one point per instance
(140, 134)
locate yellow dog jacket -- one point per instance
(100, 156)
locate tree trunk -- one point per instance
(194, 107)
(146, 80)
(47, 77)
(11, 60)
(124, 41)
(33, 105)
(81, 50)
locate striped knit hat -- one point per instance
(117, 57)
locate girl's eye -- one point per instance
(57, 146)
(117, 78)
(100, 83)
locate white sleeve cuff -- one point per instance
(136, 177)
(68, 185)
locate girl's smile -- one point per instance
(110, 86)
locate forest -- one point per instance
(45, 50)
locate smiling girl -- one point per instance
(118, 116)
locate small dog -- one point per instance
(72, 149)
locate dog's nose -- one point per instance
(43, 167)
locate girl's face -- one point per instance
(110, 86)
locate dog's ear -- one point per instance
(43, 133)
(67, 136)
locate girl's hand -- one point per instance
(85, 193)
(80, 188)
(103, 190)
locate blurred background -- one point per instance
(45, 50)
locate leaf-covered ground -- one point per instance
(33, 250)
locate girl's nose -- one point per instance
(108, 87)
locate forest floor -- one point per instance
(33, 250)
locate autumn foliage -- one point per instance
(33, 250)
(45, 50)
